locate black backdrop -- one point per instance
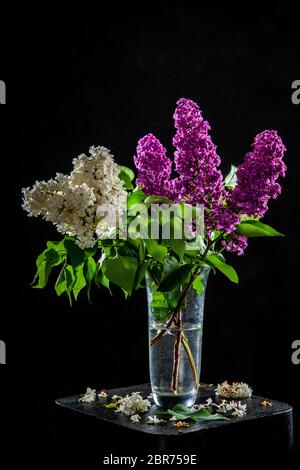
(107, 79)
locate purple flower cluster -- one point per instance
(154, 167)
(196, 159)
(256, 177)
(200, 181)
(221, 217)
(236, 243)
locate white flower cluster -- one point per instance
(132, 404)
(135, 418)
(89, 396)
(235, 408)
(155, 420)
(234, 390)
(86, 203)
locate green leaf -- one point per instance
(70, 279)
(104, 281)
(75, 253)
(182, 409)
(176, 278)
(158, 252)
(231, 179)
(134, 242)
(127, 171)
(136, 197)
(126, 181)
(254, 228)
(91, 251)
(183, 412)
(121, 271)
(80, 282)
(157, 200)
(198, 285)
(178, 415)
(226, 269)
(45, 262)
(111, 406)
(58, 247)
(178, 246)
(140, 275)
(70, 276)
(204, 415)
(170, 265)
(90, 269)
(142, 249)
(159, 306)
(126, 175)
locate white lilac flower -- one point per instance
(132, 404)
(154, 420)
(239, 409)
(89, 396)
(207, 404)
(135, 418)
(86, 204)
(224, 407)
(235, 408)
(234, 390)
(103, 394)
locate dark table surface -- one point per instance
(262, 427)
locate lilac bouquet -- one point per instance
(166, 230)
(121, 247)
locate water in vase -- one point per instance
(175, 343)
(161, 365)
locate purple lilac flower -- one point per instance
(197, 163)
(196, 159)
(154, 167)
(222, 217)
(200, 181)
(256, 177)
(237, 243)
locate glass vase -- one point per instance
(175, 341)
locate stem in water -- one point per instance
(177, 354)
(189, 354)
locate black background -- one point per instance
(108, 78)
